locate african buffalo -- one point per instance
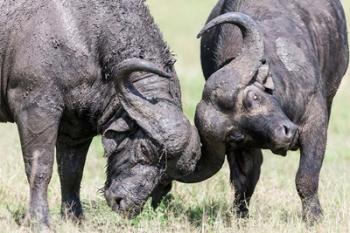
(73, 69)
(272, 68)
(270, 85)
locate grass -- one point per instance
(203, 207)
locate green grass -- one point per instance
(203, 207)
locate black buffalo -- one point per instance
(272, 68)
(73, 69)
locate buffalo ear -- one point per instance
(268, 84)
(264, 78)
(115, 134)
(120, 125)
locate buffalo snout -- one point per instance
(128, 192)
(122, 204)
(285, 137)
(285, 134)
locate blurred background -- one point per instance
(203, 207)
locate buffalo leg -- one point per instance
(313, 144)
(38, 132)
(244, 174)
(71, 160)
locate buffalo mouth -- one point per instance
(236, 140)
(124, 206)
(292, 145)
(127, 193)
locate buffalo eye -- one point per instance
(145, 154)
(252, 100)
(143, 149)
(254, 97)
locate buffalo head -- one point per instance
(238, 107)
(150, 139)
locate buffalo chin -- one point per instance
(282, 152)
(130, 212)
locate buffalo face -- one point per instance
(264, 123)
(238, 106)
(135, 165)
(150, 139)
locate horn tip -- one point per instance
(167, 75)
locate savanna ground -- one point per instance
(203, 207)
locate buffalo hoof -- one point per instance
(36, 226)
(241, 212)
(77, 218)
(44, 229)
(72, 212)
(312, 215)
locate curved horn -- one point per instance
(209, 164)
(136, 105)
(253, 46)
(162, 121)
(127, 67)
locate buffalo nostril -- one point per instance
(118, 200)
(120, 203)
(286, 131)
(285, 135)
(114, 201)
(289, 131)
(117, 204)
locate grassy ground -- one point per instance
(203, 207)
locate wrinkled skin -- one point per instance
(73, 69)
(270, 82)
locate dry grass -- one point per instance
(203, 207)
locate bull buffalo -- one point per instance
(272, 68)
(73, 69)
